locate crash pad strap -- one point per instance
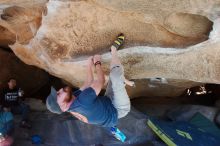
(161, 134)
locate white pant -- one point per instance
(116, 91)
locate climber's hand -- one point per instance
(97, 58)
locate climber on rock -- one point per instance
(86, 104)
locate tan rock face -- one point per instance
(159, 87)
(168, 39)
(22, 19)
(6, 37)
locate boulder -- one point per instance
(20, 20)
(166, 39)
(75, 132)
(159, 87)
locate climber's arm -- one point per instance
(89, 75)
(98, 84)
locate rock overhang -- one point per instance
(174, 44)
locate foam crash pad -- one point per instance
(200, 121)
(182, 134)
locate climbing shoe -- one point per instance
(119, 41)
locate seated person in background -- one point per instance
(6, 127)
(10, 102)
